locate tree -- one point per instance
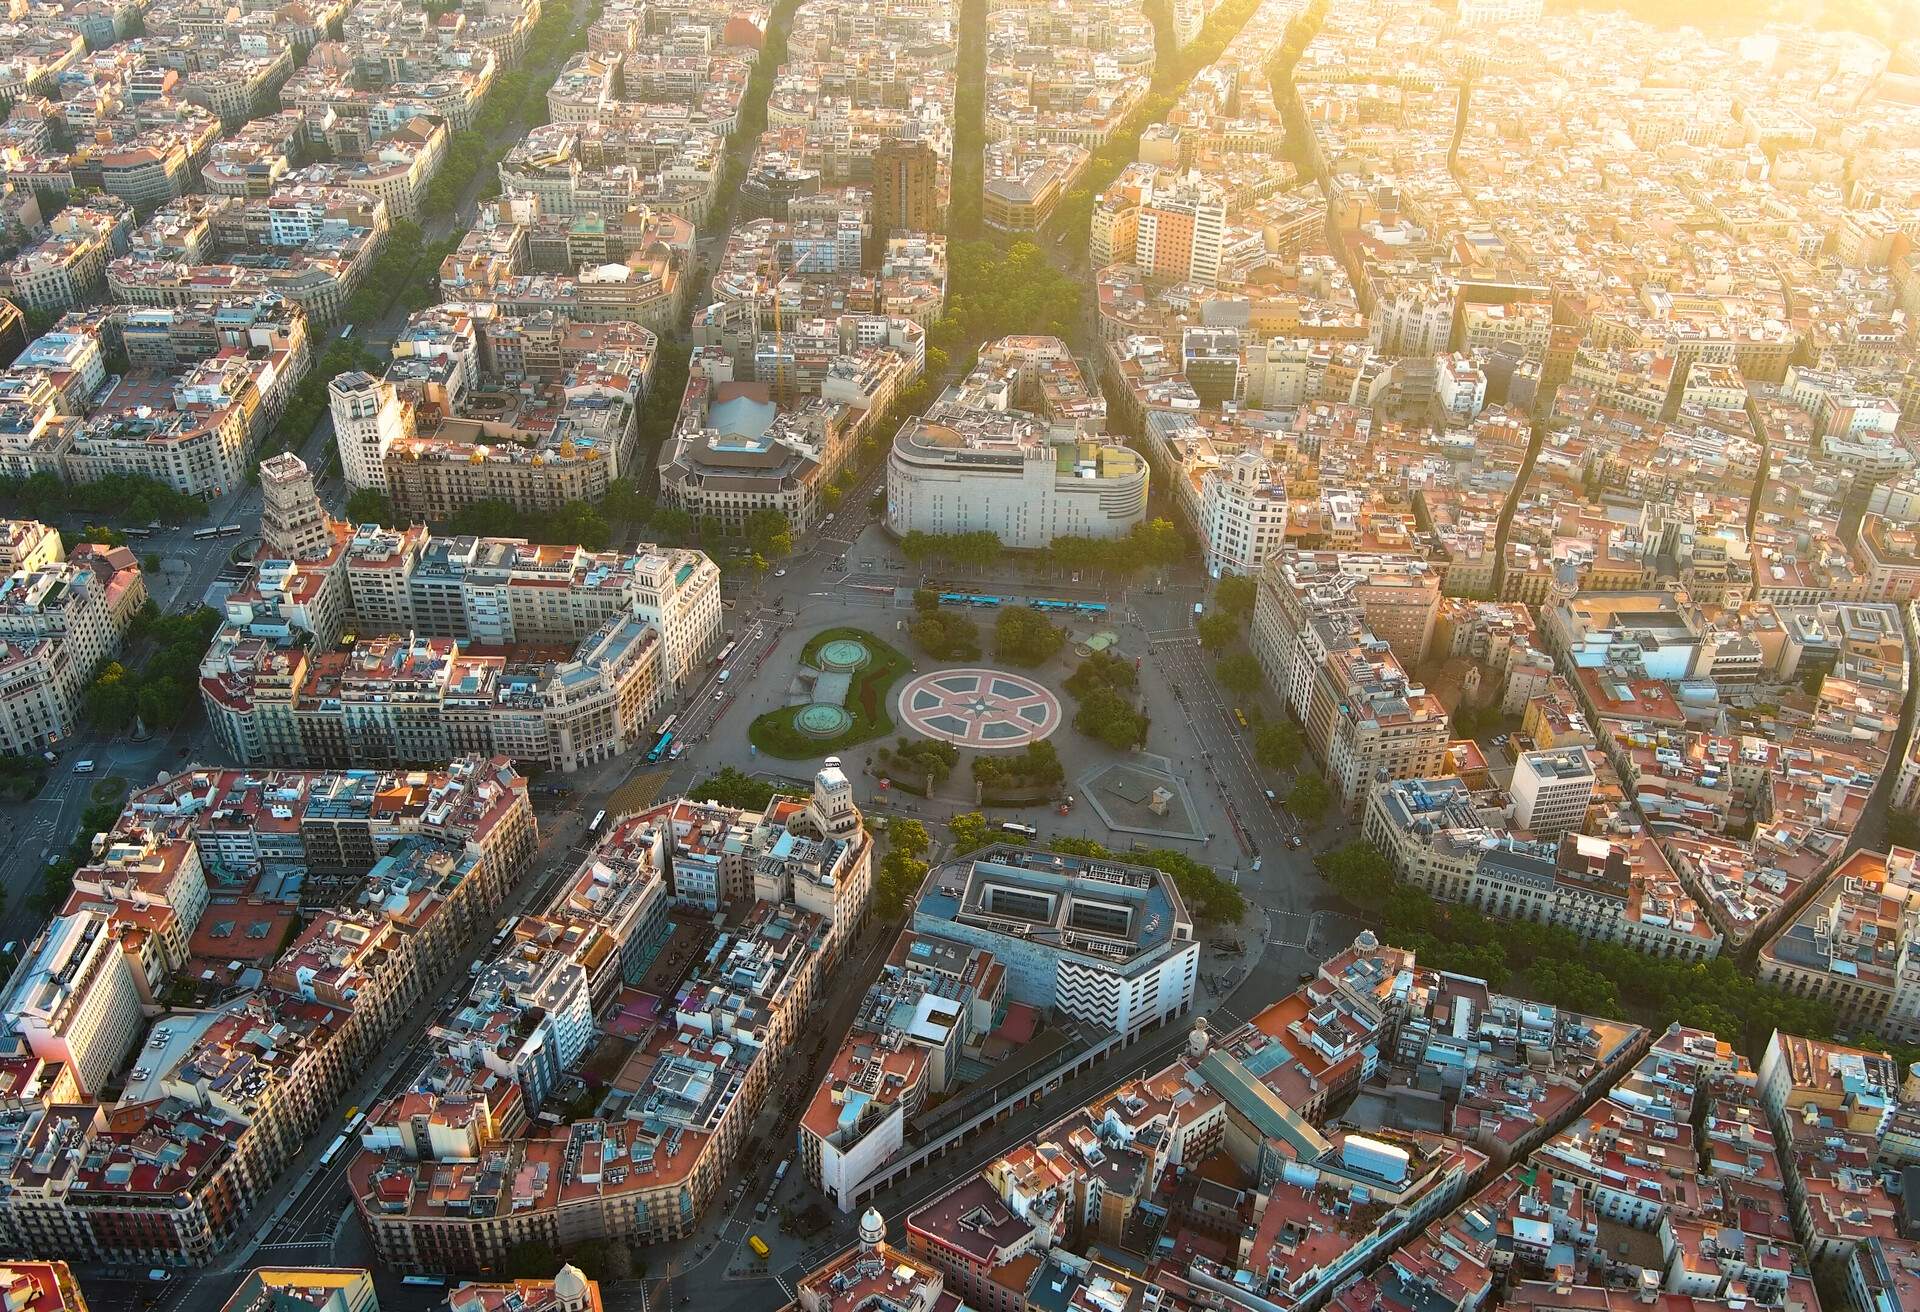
(672, 526)
(1277, 744)
(624, 502)
(926, 759)
(1109, 718)
(1025, 637)
(1903, 829)
(113, 699)
(1159, 543)
(899, 879)
(971, 831)
(369, 505)
(1239, 674)
(909, 836)
(1037, 765)
(1102, 670)
(731, 787)
(1812, 681)
(1217, 630)
(530, 1260)
(1359, 872)
(1235, 595)
(491, 518)
(769, 533)
(1212, 900)
(946, 636)
(1310, 797)
(573, 522)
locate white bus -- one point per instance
(1015, 827)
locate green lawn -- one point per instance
(867, 701)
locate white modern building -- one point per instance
(1107, 943)
(75, 998)
(1015, 450)
(998, 475)
(1551, 790)
(368, 418)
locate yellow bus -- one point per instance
(1241, 716)
(758, 1245)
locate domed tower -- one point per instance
(834, 812)
(873, 1230)
(570, 1290)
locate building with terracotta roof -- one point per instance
(1847, 943)
(547, 653)
(934, 1002)
(453, 1174)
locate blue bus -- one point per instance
(659, 748)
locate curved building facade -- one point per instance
(1015, 449)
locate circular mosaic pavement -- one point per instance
(843, 654)
(979, 708)
(819, 720)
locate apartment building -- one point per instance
(1463, 846)
(478, 405)
(1847, 945)
(934, 1002)
(68, 266)
(639, 625)
(405, 863)
(60, 620)
(368, 419)
(1012, 1233)
(75, 998)
(1179, 231)
(653, 1172)
(395, 170)
(1366, 719)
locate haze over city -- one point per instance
(959, 656)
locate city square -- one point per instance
(953, 656)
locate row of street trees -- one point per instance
(1557, 966)
(1153, 544)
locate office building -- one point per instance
(1108, 943)
(1551, 790)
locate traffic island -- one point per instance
(838, 698)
